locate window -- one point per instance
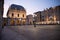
(18, 15)
(23, 15)
(12, 14)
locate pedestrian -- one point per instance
(34, 23)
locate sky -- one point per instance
(31, 6)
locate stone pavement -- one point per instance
(8, 34)
(28, 32)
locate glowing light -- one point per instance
(54, 18)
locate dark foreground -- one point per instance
(29, 32)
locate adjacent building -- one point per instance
(57, 12)
(29, 19)
(37, 16)
(53, 14)
(49, 15)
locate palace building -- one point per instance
(16, 15)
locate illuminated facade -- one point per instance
(16, 15)
(50, 15)
(53, 14)
(57, 13)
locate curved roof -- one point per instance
(18, 7)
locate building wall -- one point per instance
(29, 19)
(57, 12)
(52, 13)
(49, 14)
(15, 14)
(1, 16)
(1, 11)
(4, 22)
(37, 16)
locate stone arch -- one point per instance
(17, 22)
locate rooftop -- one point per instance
(17, 7)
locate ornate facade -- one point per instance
(16, 15)
(50, 15)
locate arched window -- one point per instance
(12, 14)
(18, 15)
(23, 15)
